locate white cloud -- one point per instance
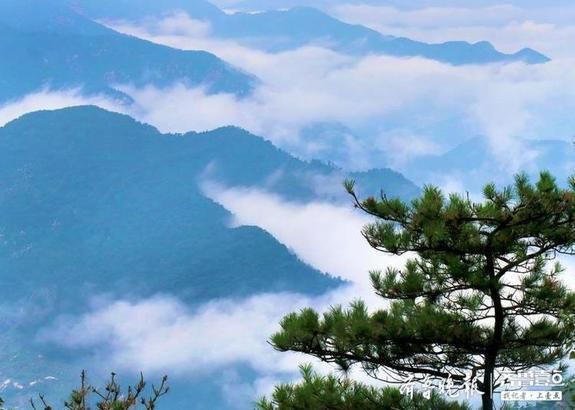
(162, 334)
(325, 236)
(381, 16)
(407, 146)
(302, 87)
(568, 276)
(380, 98)
(395, 109)
(411, 5)
(178, 24)
(53, 100)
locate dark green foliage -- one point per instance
(112, 397)
(477, 296)
(332, 393)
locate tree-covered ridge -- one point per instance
(91, 198)
(273, 30)
(92, 201)
(111, 397)
(477, 296)
(319, 392)
(45, 45)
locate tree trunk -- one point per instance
(493, 349)
(487, 397)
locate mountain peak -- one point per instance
(484, 45)
(44, 45)
(531, 56)
(79, 117)
(275, 31)
(47, 16)
(137, 9)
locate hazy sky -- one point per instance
(267, 4)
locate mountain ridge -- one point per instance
(554, 155)
(59, 50)
(237, 147)
(94, 202)
(52, 170)
(273, 31)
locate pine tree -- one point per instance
(111, 397)
(338, 393)
(479, 294)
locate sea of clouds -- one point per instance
(395, 109)
(395, 106)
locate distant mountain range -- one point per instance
(44, 44)
(137, 9)
(56, 44)
(474, 160)
(278, 30)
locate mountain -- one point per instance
(93, 202)
(137, 9)
(316, 27)
(90, 197)
(95, 199)
(53, 47)
(474, 158)
(238, 158)
(279, 30)
(51, 44)
(274, 30)
(40, 16)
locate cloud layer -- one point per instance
(394, 109)
(162, 334)
(52, 100)
(376, 110)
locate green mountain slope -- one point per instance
(52, 47)
(95, 203)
